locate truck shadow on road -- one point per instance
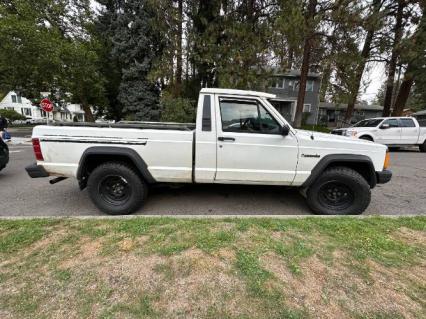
(224, 199)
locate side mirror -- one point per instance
(384, 126)
(285, 130)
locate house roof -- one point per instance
(423, 112)
(291, 73)
(237, 92)
(342, 106)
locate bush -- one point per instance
(316, 128)
(12, 115)
(181, 110)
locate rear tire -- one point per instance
(339, 191)
(422, 147)
(116, 188)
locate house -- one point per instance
(421, 117)
(331, 114)
(66, 112)
(18, 103)
(285, 85)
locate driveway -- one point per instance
(21, 195)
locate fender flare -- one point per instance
(330, 159)
(126, 152)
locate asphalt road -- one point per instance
(23, 196)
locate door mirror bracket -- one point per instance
(285, 130)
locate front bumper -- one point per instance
(36, 171)
(384, 176)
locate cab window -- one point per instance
(246, 116)
(407, 123)
(391, 122)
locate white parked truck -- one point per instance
(238, 138)
(390, 131)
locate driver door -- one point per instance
(250, 146)
(390, 135)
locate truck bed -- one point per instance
(165, 148)
(133, 124)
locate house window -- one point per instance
(290, 84)
(296, 86)
(278, 83)
(19, 98)
(310, 86)
(306, 108)
(25, 111)
(13, 98)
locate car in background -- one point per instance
(4, 154)
(391, 131)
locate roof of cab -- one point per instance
(238, 92)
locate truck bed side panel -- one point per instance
(168, 153)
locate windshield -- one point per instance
(368, 123)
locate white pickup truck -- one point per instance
(238, 138)
(391, 131)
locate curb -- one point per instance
(208, 217)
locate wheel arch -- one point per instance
(360, 163)
(369, 136)
(97, 155)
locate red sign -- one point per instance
(46, 105)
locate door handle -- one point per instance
(223, 139)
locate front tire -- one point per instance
(116, 188)
(422, 147)
(339, 191)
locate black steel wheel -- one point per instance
(339, 191)
(336, 195)
(116, 188)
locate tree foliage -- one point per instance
(131, 59)
(11, 115)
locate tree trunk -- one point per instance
(365, 53)
(290, 58)
(88, 116)
(404, 92)
(309, 17)
(179, 48)
(394, 57)
(325, 81)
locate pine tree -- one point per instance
(391, 67)
(137, 44)
(372, 25)
(415, 57)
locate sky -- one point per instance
(376, 76)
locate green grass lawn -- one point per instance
(208, 268)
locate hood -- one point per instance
(321, 135)
(331, 137)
